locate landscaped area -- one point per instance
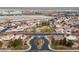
(14, 42)
(63, 42)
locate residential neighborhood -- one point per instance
(39, 29)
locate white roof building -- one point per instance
(71, 37)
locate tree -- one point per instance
(1, 43)
(64, 41)
(15, 43)
(69, 43)
(44, 23)
(61, 42)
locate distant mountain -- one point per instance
(43, 8)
